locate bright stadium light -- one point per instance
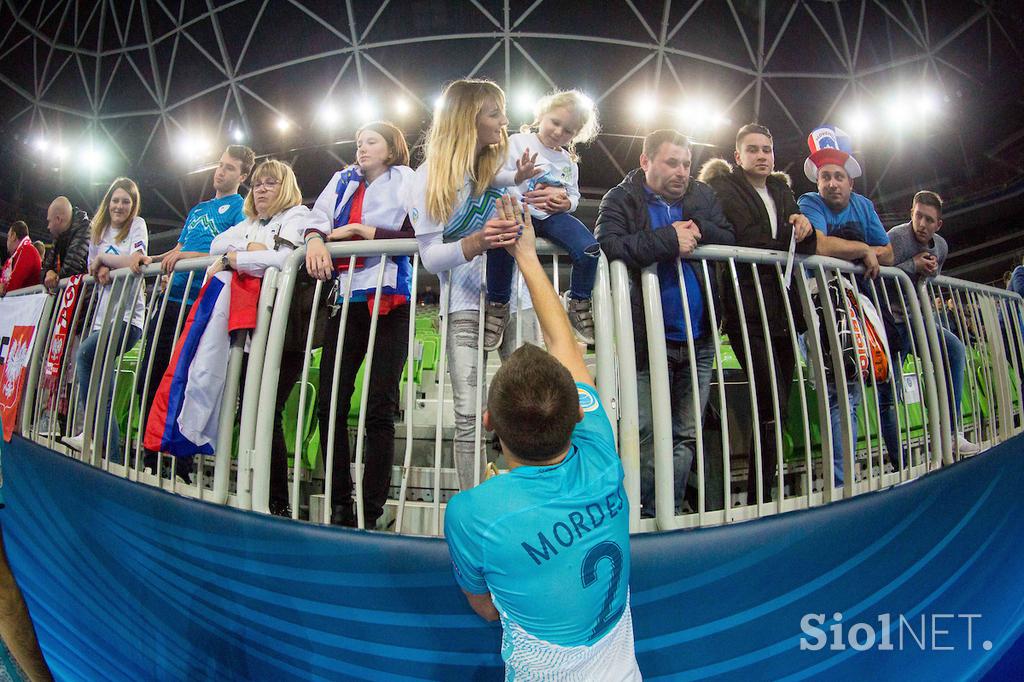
(328, 115)
(283, 124)
(645, 107)
(93, 158)
(402, 106)
(238, 135)
(857, 123)
(525, 102)
(193, 146)
(898, 114)
(60, 152)
(931, 103)
(587, 100)
(366, 111)
(438, 102)
(41, 144)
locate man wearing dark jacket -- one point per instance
(70, 253)
(658, 215)
(764, 215)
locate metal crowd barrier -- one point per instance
(424, 475)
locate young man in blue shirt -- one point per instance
(849, 229)
(204, 222)
(545, 547)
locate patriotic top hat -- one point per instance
(829, 145)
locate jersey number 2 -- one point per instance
(610, 551)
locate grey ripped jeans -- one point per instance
(462, 355)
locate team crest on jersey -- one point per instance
(112, 249)
(224, 209)
(414, 216)
(587, 400)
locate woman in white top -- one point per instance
(277, 223)
(118, 239)
(450, 203)
(365, 201)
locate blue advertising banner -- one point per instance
(126, 582)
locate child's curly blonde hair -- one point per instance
(579, 105)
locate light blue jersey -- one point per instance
(551, 543)
(204, 222)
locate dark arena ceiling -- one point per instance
(931, 92)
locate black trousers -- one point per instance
(390, 350)
(784, 366)
(291, 371)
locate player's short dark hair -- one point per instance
(654, 140)
(245, 157)
(750, 129)
(533, 404)
(928, 198)
(19, 228)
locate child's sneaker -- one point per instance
(581, 317)
(495, 321)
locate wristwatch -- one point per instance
(225, 263)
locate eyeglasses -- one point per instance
(269, 183)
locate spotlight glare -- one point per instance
(898, 114)
(283, 124)
(438, 102)
(587, 100)
(699, 114)
(237, 135)
(857, 123)
(41, 144)
(402, 106)
(930, 103)
(645, 107)
(60, 152)
(93, 158)
(525, 102)
(329, 115)
(365, 110)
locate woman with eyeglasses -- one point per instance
(277, 223)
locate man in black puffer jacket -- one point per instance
(70, 253)
(657, 215)
(764, 214)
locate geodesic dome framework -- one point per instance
(155, 88)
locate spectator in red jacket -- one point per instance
(22, 269)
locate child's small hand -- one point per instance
(526, 167)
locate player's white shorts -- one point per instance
(610, 659)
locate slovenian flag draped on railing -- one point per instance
(186, 409)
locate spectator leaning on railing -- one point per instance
(119, 239)
(920, 252)
(204, 222)
(849, 229)
(22, 267)
(658, 214)
(764, 215)
(70, 252)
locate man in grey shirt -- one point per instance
(920, 252)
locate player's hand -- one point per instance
(526, 167)
(802, 227)
(525, 245)
(871, 265)
(318, 261)
(926, 264)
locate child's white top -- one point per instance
(137, 239)
(559, 170)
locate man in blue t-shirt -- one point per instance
(204, 222)
(849, 229)
(545, 547)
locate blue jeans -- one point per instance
(86, 357)
(684, 416)
(889, 423)
(568, 232)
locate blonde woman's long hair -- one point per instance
(451, 145)
(579, 105)
(288, 196)
(101, 221)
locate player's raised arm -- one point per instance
(558, 334)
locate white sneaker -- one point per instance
(966, 447)
(75, 442)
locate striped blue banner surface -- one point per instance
(126, 582)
